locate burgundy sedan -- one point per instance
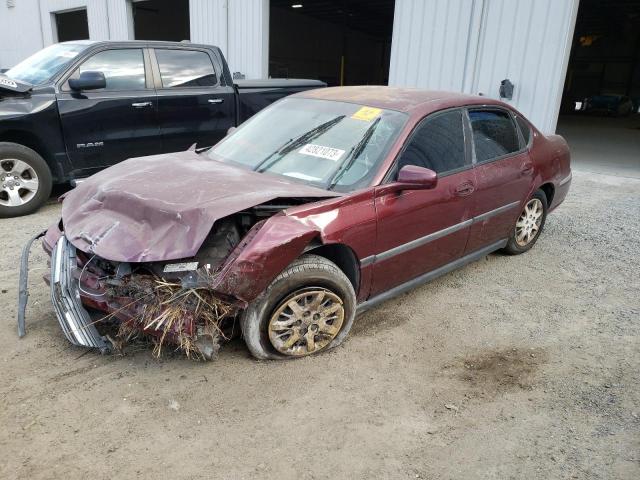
(319, 207)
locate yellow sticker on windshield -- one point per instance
(367, 114)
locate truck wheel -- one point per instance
(307, 309)
(529, 224)
(25, 180)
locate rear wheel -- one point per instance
(25, 180)
(529, 224)
(307, 309)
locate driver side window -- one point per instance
(123, 69)
(437, 144)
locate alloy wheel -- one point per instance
(306, 322)
(528, 224)
(19, 182)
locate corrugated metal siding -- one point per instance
(472, 45)
(208, 22)
(239, 27)
(430, 43)
(248, 47)
(120, 20)
(20, 34)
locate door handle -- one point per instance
(141, 104)
(464, 189)
(215, 100)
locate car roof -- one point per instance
(395, 98)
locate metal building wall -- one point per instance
(239, 27)
(471, 45)
(20, 33)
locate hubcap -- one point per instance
(18, 182)
(528, 224)
(306, 322)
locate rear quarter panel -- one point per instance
(552, 160)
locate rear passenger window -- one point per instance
(185, 68)
(524, 128)
(494, 134)
(437, 144)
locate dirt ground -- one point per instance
(510, 368)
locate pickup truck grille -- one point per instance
(65, 296)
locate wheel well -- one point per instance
(343, 257)
(549, 191)
(28, 140)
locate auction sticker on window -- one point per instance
(367, 114)
(322, 152)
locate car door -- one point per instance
(421, 230)
(103, 127)
(193, 104)
(504, 175)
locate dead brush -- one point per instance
(190, 318)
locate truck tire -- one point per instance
(25, 180)
(324, 308)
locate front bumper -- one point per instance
(65, 297)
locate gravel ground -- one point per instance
(512, 367)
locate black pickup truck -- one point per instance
(77, 107)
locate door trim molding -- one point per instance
(419, 242)
(426, 277)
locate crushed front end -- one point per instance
(106, 305)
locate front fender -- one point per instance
(265, 252)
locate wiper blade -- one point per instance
(354, 153)
(294, 143)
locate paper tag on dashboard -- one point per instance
(367, 114)
(319, 151)
(7, 82)
(180, 267)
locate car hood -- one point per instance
(163, 207)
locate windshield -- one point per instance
(43, 65)
(331, 145)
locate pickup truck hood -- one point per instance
(163, 207)
(10, 85)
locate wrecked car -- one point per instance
(319, 207)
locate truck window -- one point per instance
(185, 68)
(123, 69)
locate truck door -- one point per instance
(103, 127)
(193, 104)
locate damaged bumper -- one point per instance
(104, 305)
(65, 297)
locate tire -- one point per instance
(516, 246)
(304, 279)
(32, 187)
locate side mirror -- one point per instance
(88, 81)
(412, 177)
(231, 130)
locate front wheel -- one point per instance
(529, 224)
(25, 180)
(307, 309)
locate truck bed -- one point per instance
(254, 95)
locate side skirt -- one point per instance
(427, 277)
